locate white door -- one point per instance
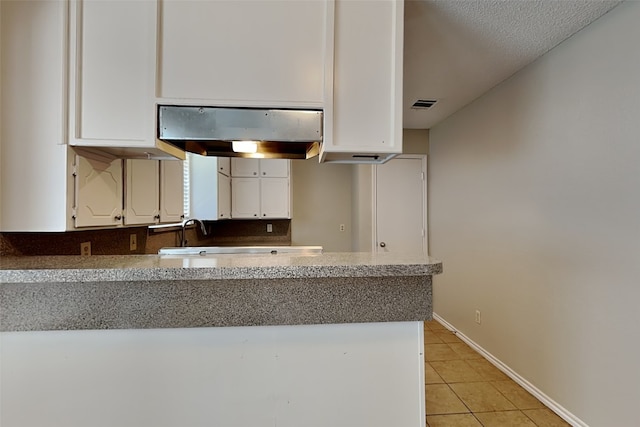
(400, 205)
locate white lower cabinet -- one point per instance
(154, 191)
(171, 191)
(142, 192)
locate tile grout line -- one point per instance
(549, 403)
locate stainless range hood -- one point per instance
(211, 131)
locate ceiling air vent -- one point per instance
(423, 104)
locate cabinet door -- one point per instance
(243, 52)
(113, 55)
(242, 167)
(274, 198)
(224, 197)
(224, 165)
(245, 198)
(171, 191)
(142, 192)
(274, 168)
(98, 193)
(367, 85)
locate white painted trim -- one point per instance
(539, 394)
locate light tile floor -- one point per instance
(465, 390)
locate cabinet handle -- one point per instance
(118, 217)
(264, 173)
(255, 173)
(157, 217)
(383, 244)
(255, 214)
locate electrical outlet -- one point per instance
(85, 248)
(341, 227)
(478, 317)
(133, 242)
(269, 228)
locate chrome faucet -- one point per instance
(186, 222)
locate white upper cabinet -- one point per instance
(112, 70)
(245, 198)
(260, 188)
(154, 191)
(260, 198)
(36, 192)
(248, 53)
(248, 168)
(363, 121)
(171, 191)
(224, 165)
(275, 198)
(260, 168)
(274, 168)
(224, 197)
(209, 188)
(142, 191)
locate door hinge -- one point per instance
(422, 232)
(422, 176)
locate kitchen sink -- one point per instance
(217, 250)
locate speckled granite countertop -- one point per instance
(152, 291)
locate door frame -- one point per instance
(374, 201)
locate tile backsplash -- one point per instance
(148, 241)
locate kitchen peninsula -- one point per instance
(230, 340)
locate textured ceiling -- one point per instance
(455, 50)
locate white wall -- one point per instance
(322, 195)
(535, 213)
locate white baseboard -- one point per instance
(546, 400)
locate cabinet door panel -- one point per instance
(98, 193)
(243, 51)
(224, 197)
(242, 167)
(171, 191)
(114, 70)
(224, 165)
(142, 192)
(274, 196)
(245, 198)
(367, 80)
(274, 168)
